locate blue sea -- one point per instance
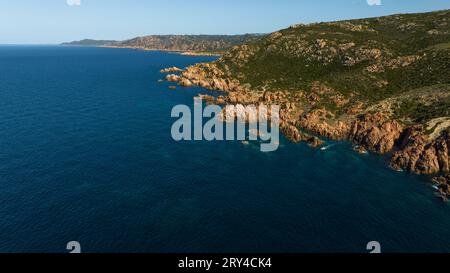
(86, 155)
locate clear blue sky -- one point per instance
(54, 21)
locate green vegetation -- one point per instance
(420, 112)
(367, 60)
(90, 42)
(196, 43)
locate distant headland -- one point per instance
(195, 45)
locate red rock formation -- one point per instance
(422, 156)
(443, 186)
(377, 132)
(316, 121)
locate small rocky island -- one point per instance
(382, 83)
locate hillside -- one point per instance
(369, 59)
(90, 42)
(195, 43)
(383, 83)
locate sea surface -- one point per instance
(86, 155)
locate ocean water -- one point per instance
(86, 155)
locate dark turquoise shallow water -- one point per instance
(86, 155)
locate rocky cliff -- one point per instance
(383, 83)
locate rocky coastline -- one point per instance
(381, 83)
(198, 53)
(409, 147)
(177, 52)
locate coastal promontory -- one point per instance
(383, 83)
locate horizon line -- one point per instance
(237, 34)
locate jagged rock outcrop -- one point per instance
(207, 98)
(443, 185)
(443, 151)
(420, 155)
(360, 149)
(296, 136)
(185, 82)
(377, 132)
(173, 69)
(210, 77)
(173, 78)
(242, 98)
(318, 121)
